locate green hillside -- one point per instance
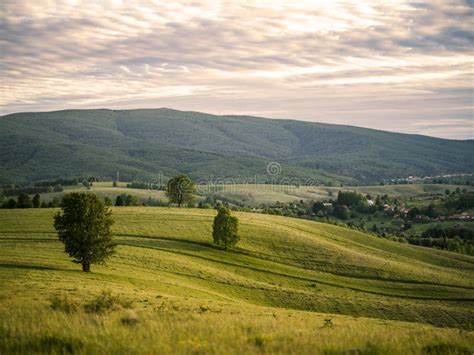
(141, 144)
(291, 286)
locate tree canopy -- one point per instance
(83, 225)
(350, 198)
(36, 201)
(24, 201)
(225, 228)
(180, 189)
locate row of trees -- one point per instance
(31, 190)
(25, 201)
(180, 190)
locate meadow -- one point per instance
(291, 286)
(257, 194)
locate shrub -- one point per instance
(106, 302)
(130, 318)
(64, 303)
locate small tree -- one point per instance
(119, 201)
(180, 189)
(341, 212)
(131, 200)
(84, 228)
(107, 201)
(11, 203)
(318, 207)
(24, 201)
(36, 201)
(225, 229)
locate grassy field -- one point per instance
(106, 189)
(257, 194)
(291, 286)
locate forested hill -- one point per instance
(143, 143)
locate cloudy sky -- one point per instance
(396, 65)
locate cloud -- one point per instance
(398, 65)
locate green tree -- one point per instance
(350, 198)
(119, 201)
(341, 212)
(107, 201)
(180, 189)
(54, 202)
(24, 201)
(11, 203)
(318, 207)
(83, 225)
(131, 200)
(36, 201)
(412, 213)
(225, 229)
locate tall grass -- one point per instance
(291, 286)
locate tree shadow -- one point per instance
(31, 267)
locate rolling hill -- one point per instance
(256, 195)
(141, 144)
(291, 286)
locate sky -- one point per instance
(398, 65)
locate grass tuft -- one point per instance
(130, 318)
(259, 342)
(446, 349)
(106, 302)
(64, 303)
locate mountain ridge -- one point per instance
(141, 143)
(237, 116)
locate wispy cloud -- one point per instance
(398, 65)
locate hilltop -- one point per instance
(141, 144)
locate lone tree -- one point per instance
(84, 228)
(225, 229)
(180, 189)
(119, 201)
(36, 201)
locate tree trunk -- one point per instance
(86, 267)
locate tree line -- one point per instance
(25, 201)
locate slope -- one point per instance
(143, 143)
(280, 262)
(283, 282)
